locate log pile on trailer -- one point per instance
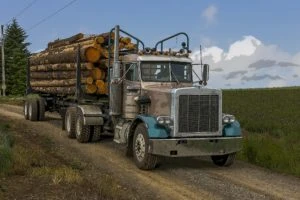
(54, 69)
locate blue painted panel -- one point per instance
(154, 129)
(232, 130)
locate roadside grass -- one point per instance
(58, 175)
(6, 143)
(14, 100)
(39, 158)
(271, 126)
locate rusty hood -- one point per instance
(161, 97)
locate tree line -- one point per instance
(16, 55)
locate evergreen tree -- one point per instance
(16, 55)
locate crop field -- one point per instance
(270, 119)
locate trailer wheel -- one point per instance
(70, 122)
(96, 134)
(82, 131)
(25, 110)
(224, 160)
(33, 110)
(142, 158)
(42, 109)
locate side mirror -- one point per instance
(205, 74)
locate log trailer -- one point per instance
(153, 107)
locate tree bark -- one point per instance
(66, 55)
(66, 41)
(54, 83)
(57, 67)
(56, 90)
(56, 75)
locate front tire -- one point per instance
(142, 158)
(83, 132)
(224, 160)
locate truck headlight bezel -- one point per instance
(164, 120)
(228, 119)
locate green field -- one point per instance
(270, 119)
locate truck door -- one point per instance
(131, 89)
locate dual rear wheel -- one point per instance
(75, 128)
(34, 109)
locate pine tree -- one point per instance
(16, 54)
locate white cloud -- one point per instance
(249, 63)
(210, 13)
(245, 47)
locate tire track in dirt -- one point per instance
(179, 179)
(120, 167)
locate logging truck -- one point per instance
(145, 98)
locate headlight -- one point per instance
(164, 120)
(228, 119)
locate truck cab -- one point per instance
(165, 114)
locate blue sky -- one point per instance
(274, 22)
(247, 43)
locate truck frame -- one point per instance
(153, 107)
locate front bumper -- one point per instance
(185, 147)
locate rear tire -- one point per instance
(224, 160)
(70, 122)
(42, 109)
(142, 158)
(25, 110)
(33, 110)
(83, 132)
(96, 133)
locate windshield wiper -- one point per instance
(175, 76)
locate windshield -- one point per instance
(166, 72)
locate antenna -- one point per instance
(201, 55)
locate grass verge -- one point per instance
(6, 143)
(270, 120)
(14, 100)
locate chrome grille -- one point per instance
(198, 113)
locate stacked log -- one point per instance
(54, 69)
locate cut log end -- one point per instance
(89, 80)
(98, 74)
(90, 89)
(92, 54)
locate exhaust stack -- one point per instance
(115, 99)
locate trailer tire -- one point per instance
(25, 110)
(97, 131)
(42, 109)
(33, 110)
(70, 122)
(142, 158)
(83, 132)
(224, 160)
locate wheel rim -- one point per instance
(78, 127)
(140, 147)
(68, 124)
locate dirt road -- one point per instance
(188, 178)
